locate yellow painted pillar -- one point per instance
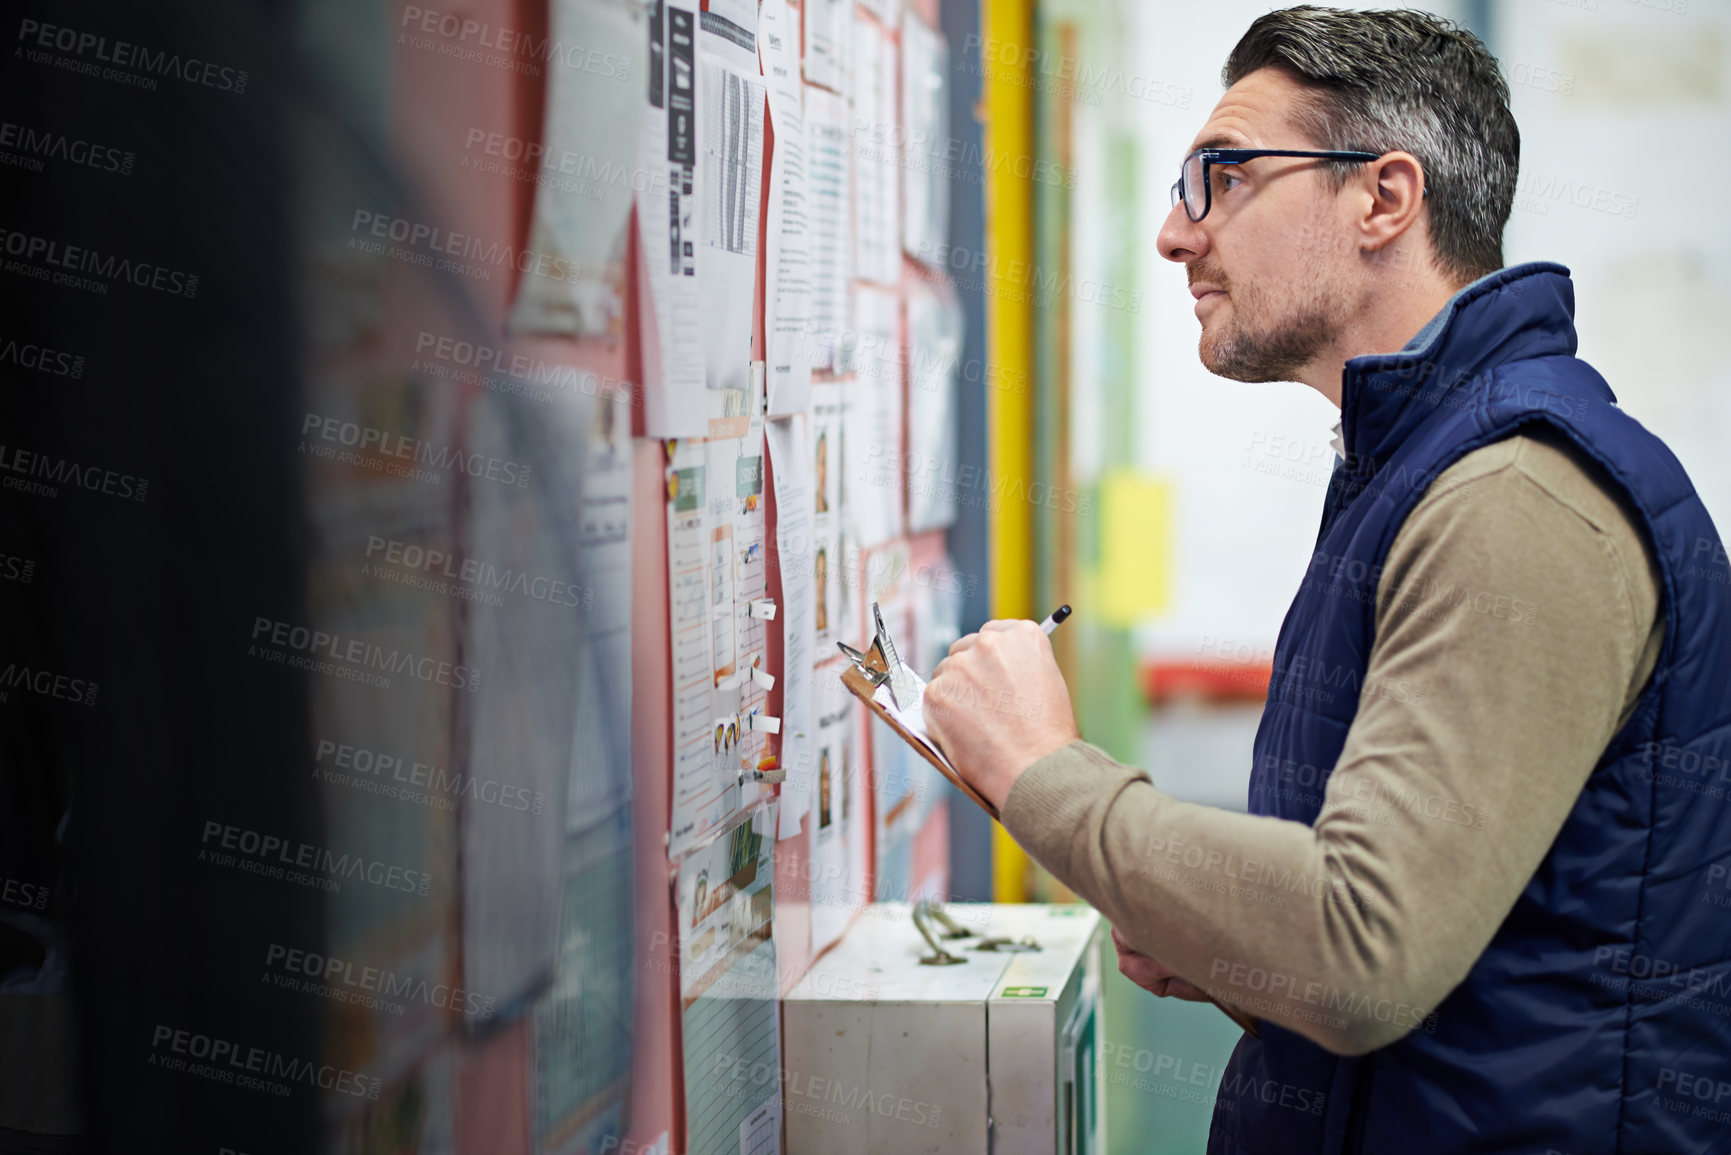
(1007, 95)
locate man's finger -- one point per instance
(964, 643)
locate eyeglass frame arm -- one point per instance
(1214, 156)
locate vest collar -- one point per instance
(1512, 314)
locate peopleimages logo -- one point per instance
(30, 896)
(47, 684)
(29, 471)
(357, 654)
(368, 439)
(427, 243)
(126, 60)
(29, 355)
(396, 776)
(476, 40)
(328, 976)
(483, 576)
(225, 1061)
(269, 854)
(28, 147)
(72, 260)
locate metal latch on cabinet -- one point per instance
(1022, 945)
(928, 910)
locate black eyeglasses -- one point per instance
(1194, 189)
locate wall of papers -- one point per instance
(667, 281)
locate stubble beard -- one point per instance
(1239, 351)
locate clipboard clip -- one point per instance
(886, 646)
(872, 669)
(881, 665)
(871, 664)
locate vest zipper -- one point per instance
(1353, 1143)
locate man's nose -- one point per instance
(1181, 239)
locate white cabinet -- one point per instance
(995, 1055)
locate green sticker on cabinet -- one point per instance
(1024, 992)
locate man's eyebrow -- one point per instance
(1217, 142)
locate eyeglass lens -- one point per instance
(1191, 187)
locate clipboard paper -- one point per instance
(856, 681)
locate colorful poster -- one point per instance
(704, 795)
(739, 596)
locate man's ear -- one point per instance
(1394, 183)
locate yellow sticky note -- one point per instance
(1136, 539)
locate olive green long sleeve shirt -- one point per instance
(1517, 622)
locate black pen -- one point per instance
(1054, 619)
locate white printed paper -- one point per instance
(578, 226)
(730, 189)
(839, 882)
(740, 12)
(522, 689)
(826, 562)
(828, 28)
(675, 403)
(934, 351)
(904, 785)
(789, 447)
(787, 264)
(926, 117)
(827, 200)
(884, 10)
(600, 768)
(873, 453)
(877, 156)
(913, 715)
(760, 1132)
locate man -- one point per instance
(1483, 790)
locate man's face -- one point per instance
(1271, 290)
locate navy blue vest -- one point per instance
(1599, 1017)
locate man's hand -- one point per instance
(998, 704)
(1146, 972)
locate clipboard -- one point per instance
(880, 666)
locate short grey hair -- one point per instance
(1404, 80)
